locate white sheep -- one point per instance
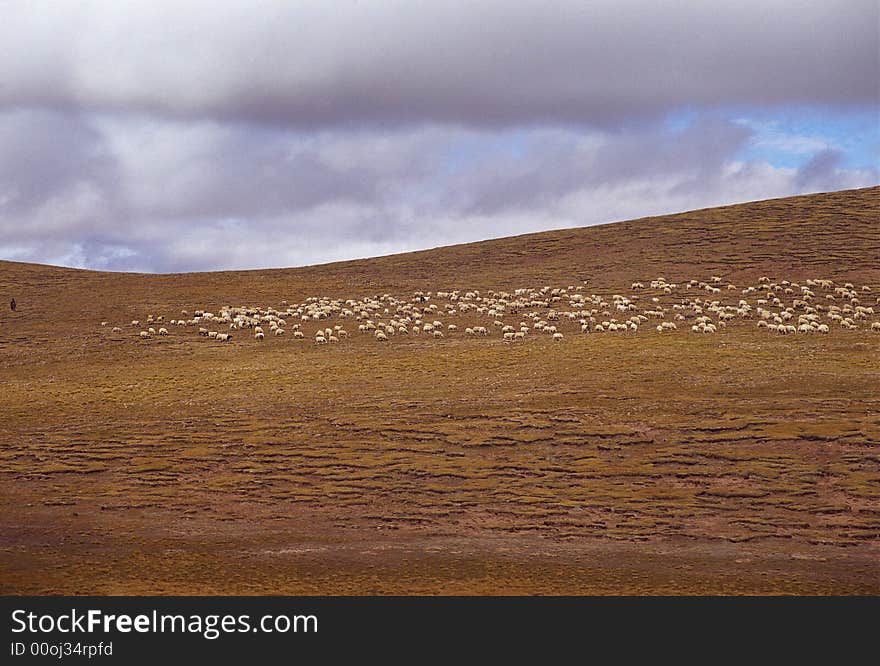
(163, 331)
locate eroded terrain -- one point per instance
(738, 462)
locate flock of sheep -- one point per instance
(703, 307)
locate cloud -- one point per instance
(821, 171)
(480, 63)
(43, 151)
(162, 136)
(157, 195)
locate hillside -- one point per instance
(638, 461)
(829, 234)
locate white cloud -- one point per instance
(177, 136)
(171, 196)
(773, 135)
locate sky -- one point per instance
(158, 136)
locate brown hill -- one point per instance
(727, 463)
(832, 234)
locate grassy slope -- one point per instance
(735, 463)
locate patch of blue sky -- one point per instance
(680, 119)
(790, 137)
(472, 147)
(785, 137)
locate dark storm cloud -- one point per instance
(44, 153)
(252, 173)
(478, 63)
(821, 171)
(556, 163)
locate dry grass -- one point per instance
(732, 463)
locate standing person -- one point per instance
(12, 305)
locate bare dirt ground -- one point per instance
(653, 464)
